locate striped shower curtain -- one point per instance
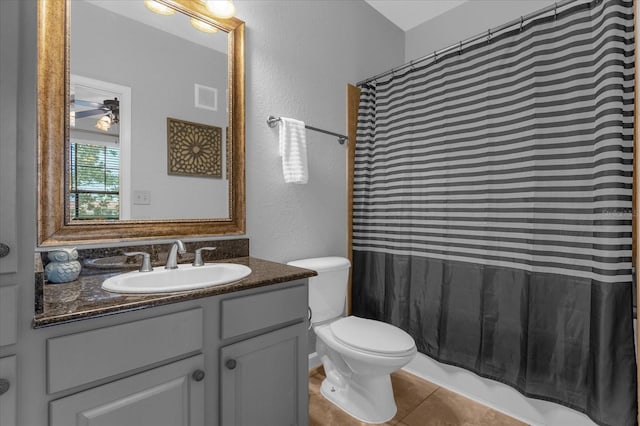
(492, 208)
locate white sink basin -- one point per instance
(186, 277)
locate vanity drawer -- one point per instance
(254, 312)
(85, 357)
(8, 315)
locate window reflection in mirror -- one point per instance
(157, 67)
(94, 186)
(99, 146)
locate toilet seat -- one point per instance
(373, 337)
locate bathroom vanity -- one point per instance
(229, 355)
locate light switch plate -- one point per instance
(142, 197)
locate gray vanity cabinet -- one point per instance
(261, 380)
(9, 85)
(238, 358)
(264, 373)
(8, 394)
(171, 395)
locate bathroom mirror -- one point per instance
(140, 130)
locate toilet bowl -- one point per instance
(358, 370)
(358, 354)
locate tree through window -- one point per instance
(94, 181)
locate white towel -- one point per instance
(293, 149)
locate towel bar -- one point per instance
(273, 122)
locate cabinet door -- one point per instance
(264, 380)
(8, 394)
(9, 49)
(164, 396)
(8, 315)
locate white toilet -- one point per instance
(358, 354)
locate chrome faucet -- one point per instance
(197, 261)
(176, 247)
(146, 260)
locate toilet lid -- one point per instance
(371, 336)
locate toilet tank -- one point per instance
(327, 290)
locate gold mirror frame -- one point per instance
(53, 117)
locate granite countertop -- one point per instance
(84, 298)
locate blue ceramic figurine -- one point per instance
(63, 266)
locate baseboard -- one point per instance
(314, 361)
(496, 395)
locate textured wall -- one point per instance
(464, 21)
(299, 57)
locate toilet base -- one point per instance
(366, 398)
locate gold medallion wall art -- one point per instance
(193, 149)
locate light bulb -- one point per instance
(223, 9)
(104, 123)
(158, 8)
(203, 26)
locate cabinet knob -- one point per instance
(198, 375)
(4, 250)
(4, 386)
(230, 364)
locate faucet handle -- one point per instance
(198, 259)
(146, 260)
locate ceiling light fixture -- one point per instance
(223, 9)
(158, 8)
(104, 123)
(203, 26)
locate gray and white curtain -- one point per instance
(492, 208)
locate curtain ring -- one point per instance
(460, 48)
(555, 11)
(411, 65)
(521, 22)
(435, 56)
(489, 35)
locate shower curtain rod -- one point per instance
(554, 7)
(273, 122)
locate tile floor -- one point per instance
(420, 403)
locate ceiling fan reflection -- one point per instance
(109, 110)
(107, 106)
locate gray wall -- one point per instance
(464, 21)
(300, 56)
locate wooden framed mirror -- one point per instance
(116, 211)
